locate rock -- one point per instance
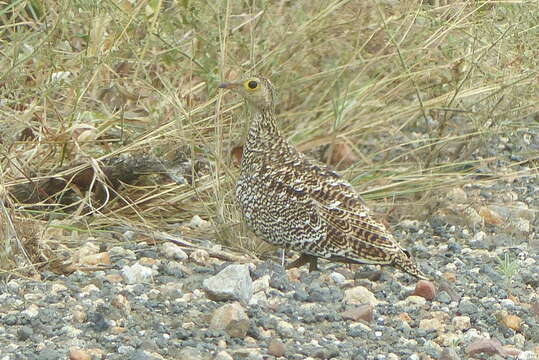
(405, 317)
(79, 315)
(512, 322)
(172, 251)
(200, 257)
(24, 333)
(359, 295)
(32, 311)
(119, 301)
(293, 275)
(522, 226)
(261, 284)
(409, 224)
(535, 309)
(198, 222)
(285, 329)
(425, 289)
(173, 290)
(468, 307)
(338, 278)
(432, 324)
(78, 354)
(514, 210)
(449, 276)
(232, 319)
(413, 300)
(49, 354)
(361, 312)
(89, 248)
(223, 355)
(101, 258)
(232, 283)
(461, 323)
(457, 195)
(114, 278)
(190, 353)
(118, 252)
(449, 354)
(137, 273)
(276, 348)
(448, 339)
(484, 346)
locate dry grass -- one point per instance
(416, 90)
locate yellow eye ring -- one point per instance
(251, 84)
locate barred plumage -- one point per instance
(292, 202)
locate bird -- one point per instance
(296, 203)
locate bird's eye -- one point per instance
(252, 84)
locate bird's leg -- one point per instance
(304, 259)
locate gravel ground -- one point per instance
(158, 302)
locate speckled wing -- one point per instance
(351, 233)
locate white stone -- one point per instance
(32, 311)
(461, 322)
(198, 222)
(507, 303)
(337, 277)
(360, 295)
(223, 355)
(172, 251)
(137, 273)
(258, 298)
(261, 284)
(200, 256)
(232, 283)
(413, 300)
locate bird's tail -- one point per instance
(404, 261)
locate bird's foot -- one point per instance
(304, 259)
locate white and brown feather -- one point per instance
(292, 202)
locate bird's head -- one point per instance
(256, 90)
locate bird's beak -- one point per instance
(228, 85)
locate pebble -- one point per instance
(425, 289)
(137, 273)
(484, 346)
(190, 353)
(102, 258)
(232, 319)
(223, 355)
(173, 251)
(232, 283)
(360, 295)
(449, 354)
(78, 354)
(461, 323)
(361, 312)
(200, 257)
(276, 348)
(412, 300)
(337, 277)
(431, 324)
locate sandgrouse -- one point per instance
(292, 202)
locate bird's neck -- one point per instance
(263, 131)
